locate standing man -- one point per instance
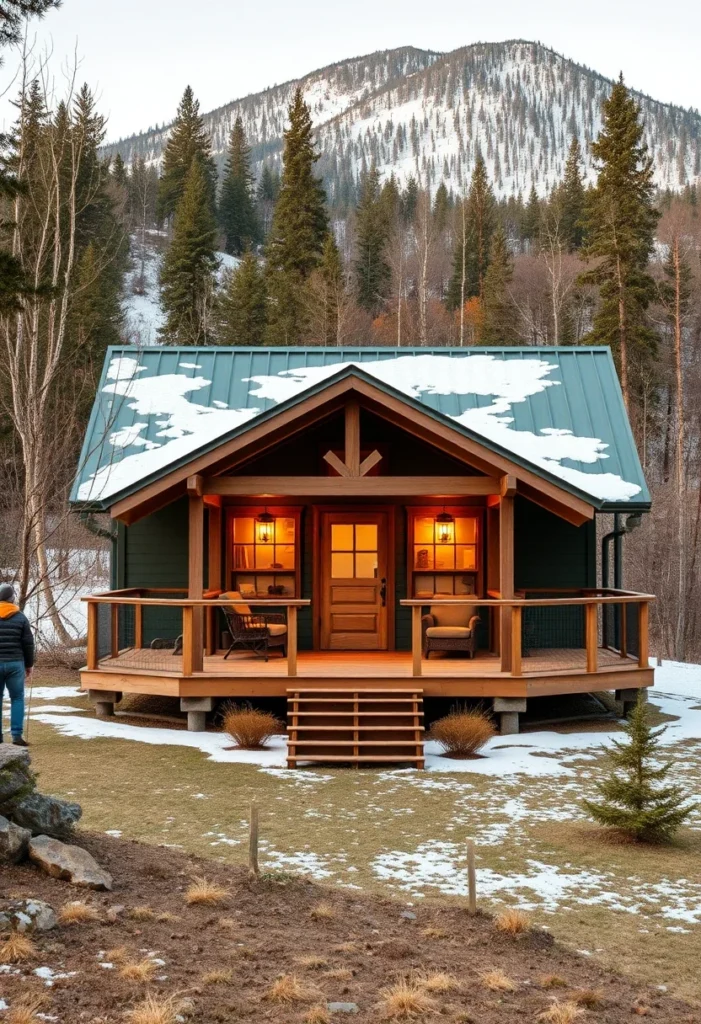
(16, 660)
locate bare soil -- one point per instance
(266, 927)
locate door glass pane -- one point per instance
(342, 565)
(342, 537)
(366, 565)
(366, 537)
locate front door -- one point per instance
(354, 591)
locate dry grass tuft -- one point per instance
(118, 955)
(16, 948)
(142, 914)
(142, 971)
(439, 982)
(512, 922)
(339, 974)
(587, 997)
(25, 1010)
(463, 731)
(311, 962)
(561, 1013)
(434, 933)
(346, 947)
(77, 913)
(217, 977)
(404, 1000)
(322, 912)
(317, 1015)
(497, 981)
(552, 981)
(289, 989)
(205, 893)
(248, 727)
(167, 916)
(227, 923)
(156, 1010)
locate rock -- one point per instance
(72, 863)
(408, 915)
(45, 815)
(113, 913)
(26, 916)
(342, 1007)
(13, 842)
(16, 777)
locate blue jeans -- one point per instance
(12, 676)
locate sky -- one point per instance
(138, 55)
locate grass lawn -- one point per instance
(637, 909)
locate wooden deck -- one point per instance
(242, 675)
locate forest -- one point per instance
(263, 256)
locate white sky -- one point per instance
(138, 55)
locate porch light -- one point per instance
(264, 527)
(445, 527)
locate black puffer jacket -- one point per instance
(16, 640)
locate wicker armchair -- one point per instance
(450, 628)
(253, 631)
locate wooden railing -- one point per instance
(511, 611)
(199, 632)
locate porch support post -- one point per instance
(629, 698)
(643, 634)
(93, 626)
(416, 639)
(506, 575)
(197, 709)
(508, 709)
(104, 701)
(292, 640)
(214, 573)
(195, 578)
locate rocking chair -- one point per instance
(253, 631)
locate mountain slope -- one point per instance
(425, 114)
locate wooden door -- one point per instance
(354, 581)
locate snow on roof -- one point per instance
(556, 410)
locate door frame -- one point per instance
(317, 582)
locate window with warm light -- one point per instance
(444, 553)
(263, 558)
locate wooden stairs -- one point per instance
(361, 727)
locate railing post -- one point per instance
(138, 626)
(591, 634)
(114, 630)
(93, 626)
(624, 629)
(192, 651)
(416, 639)
(292, 640)
(643, 634)
(516, 619)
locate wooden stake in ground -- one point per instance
(253, 841)
(471, 878)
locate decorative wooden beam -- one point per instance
(353, 438)
(343, 470)
(334, 461)
(345, 486)
(508, 486)
(367, 464)
(194, 486)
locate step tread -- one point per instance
(358, 689)
(350, 759)
(360, 726)
(354, 743)
(367, 714)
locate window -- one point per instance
(263, 553)
(353, 551)
(444, 552)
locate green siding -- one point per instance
(154, 553)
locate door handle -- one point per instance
(383, 592)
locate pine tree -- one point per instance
(266, 196)
(620, 227)
(327, 297)
(531, 217)
(187, 277)
(371, 270)
(635, 797)
(119, 171)
(498, 310)
(242, 309)
(473, 247)
(441, 207)
(298, 232)
(237, 215)
(410, 198)
(188, 140)
(572, 198)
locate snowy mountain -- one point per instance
(416, 112)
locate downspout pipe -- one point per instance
(615, 536)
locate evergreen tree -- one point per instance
(327, 297)
(472, 248)
(572, 198)
(620, 227)
(188, 140)
(441, 207)
(298, 232)
(187, 277)
(531, 217)
(266, 196)
(237, 215)
(498, 311)
(635, 797)
(242, 309)
(410, 199)
(119, 171)
(371, 270)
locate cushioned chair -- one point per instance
(450, 627)
(254, 631)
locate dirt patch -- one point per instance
(224, 957)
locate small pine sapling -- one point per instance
(634, 796)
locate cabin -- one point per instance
(356, 530)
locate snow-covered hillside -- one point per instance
(419, 113)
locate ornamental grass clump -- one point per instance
(248, 727)
(462, 732)
(635, 798)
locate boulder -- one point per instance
(26, 916)
(14, 841)
(72, 863)
(45, 815)
(16, 778)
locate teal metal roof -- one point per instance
(556, 411)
